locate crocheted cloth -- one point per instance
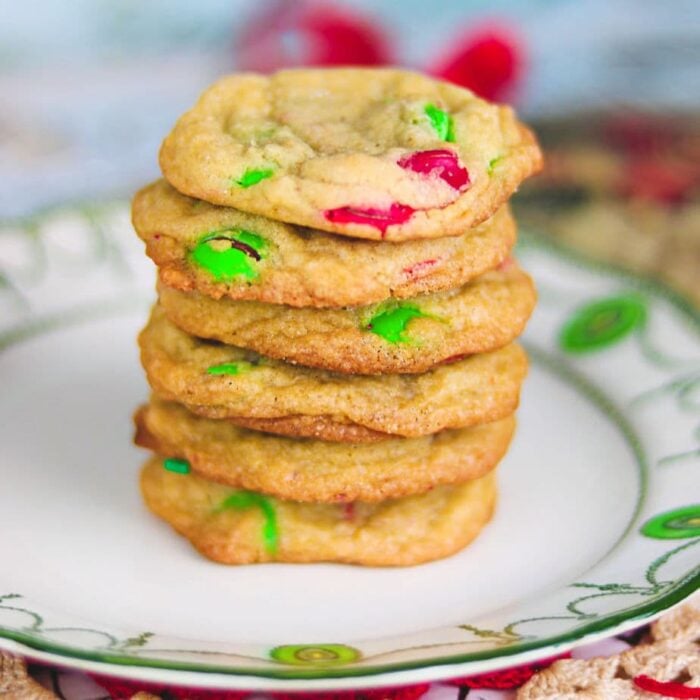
(661, 661)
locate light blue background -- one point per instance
(88, 88)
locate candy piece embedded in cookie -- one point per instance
(314, 470)
(244, 527)
(224, 252)
(407, 336)
(369, 153)
(220, 381)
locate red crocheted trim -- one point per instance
(124, 690)
(667, 689)
(508, 678)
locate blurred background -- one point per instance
(89, 88)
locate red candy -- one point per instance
(507, 264)
(442, 162)
(379, 218)
(420, 268)
(454, 358)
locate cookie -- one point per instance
(245, 527)
(368, 153)
(313, 470)
(223, 252)
(331, 428)
(220, 381)
(408, 336)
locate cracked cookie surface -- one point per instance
(369, 153)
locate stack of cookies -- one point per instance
(331, 356)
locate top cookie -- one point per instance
(368, 153)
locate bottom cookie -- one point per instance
(244, 527)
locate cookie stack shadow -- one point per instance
(333, 379)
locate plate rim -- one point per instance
(223, 680)
(619, 620)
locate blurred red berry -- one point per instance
(662, 181)
(310, 34)
(638, 134)
(489, 60)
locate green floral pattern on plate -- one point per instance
(603, 322)
(315, 654)
(677, 524)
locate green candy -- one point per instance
(244, 500)
(236, 259)
(177, 466)
(492, 165)
(253, 176)
(441, 121)
(230, 368)
(256, 242)
(602, 323)
(391, 323)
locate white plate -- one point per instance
(580, 546)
